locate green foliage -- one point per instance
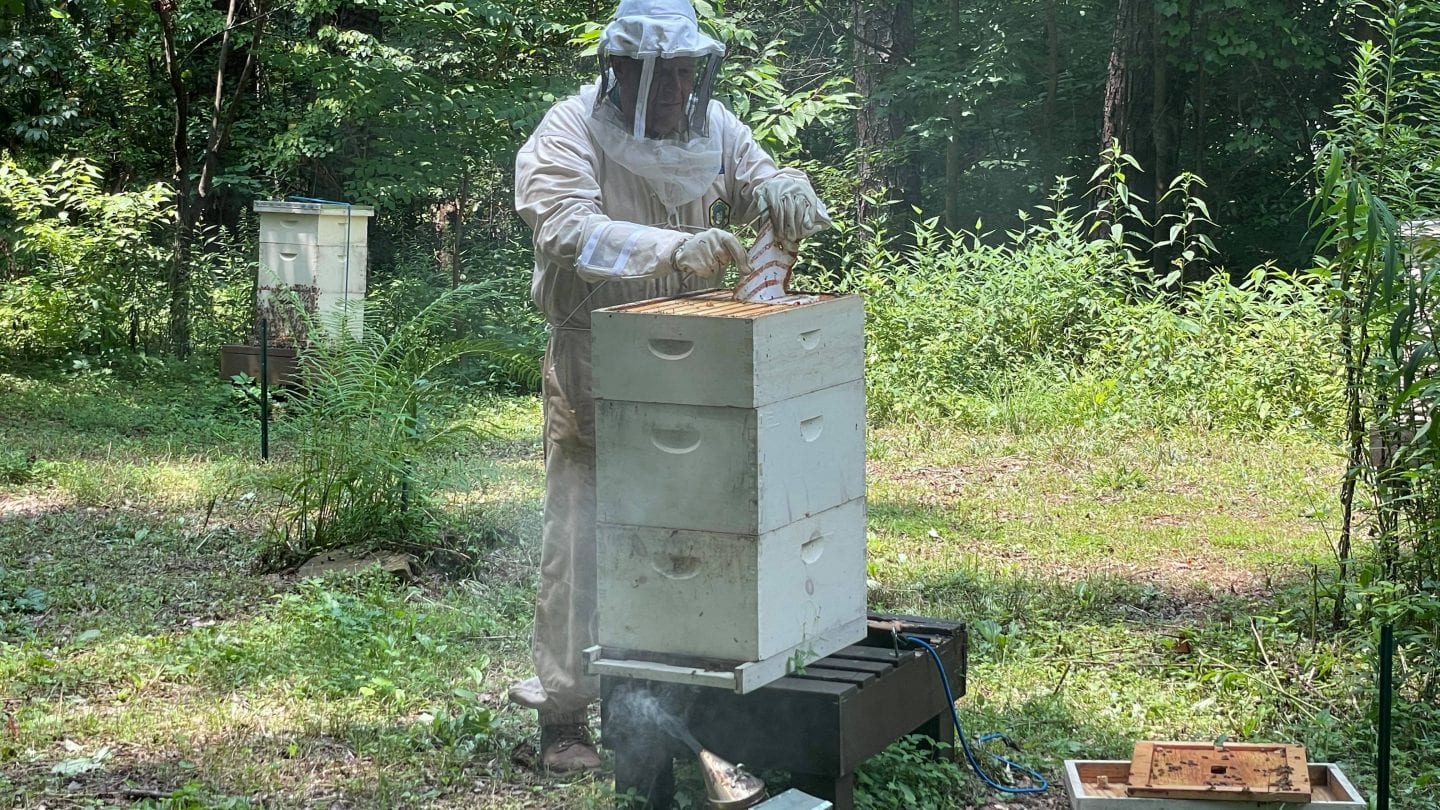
(1056, 327)
(1376, 171)
(16, 467)
(371, 407)
(907, 775)
(83, 272)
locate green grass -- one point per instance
(1110, 580)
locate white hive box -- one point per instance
(730, 478)
(733, 597)
(740, 470)
(708, 349)
(319, 250)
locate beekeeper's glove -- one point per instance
(793, 207)
(708, 253)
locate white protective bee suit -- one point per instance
(610, 208)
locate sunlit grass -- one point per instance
(1108, 579)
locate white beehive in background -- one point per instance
(730, 483)
(318, 252)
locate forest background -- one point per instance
(1090, 224)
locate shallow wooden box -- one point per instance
(732, 596)
(1330, 790)
(305, 223)
(331, 268)
(735, 470)
(708, 349)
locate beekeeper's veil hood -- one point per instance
(676, 65)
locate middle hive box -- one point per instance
(730, 477)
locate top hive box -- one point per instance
(303, 223)
(706, 348)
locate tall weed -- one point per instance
(1056, 326)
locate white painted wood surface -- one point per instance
(743, 678)
(736, 597)
(742, 362)
(736, 470)
(730, 482)
(313, 223)
(317, 245)
(322, 266)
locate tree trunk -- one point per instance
(178, 278)
(884, 38)
(1129, 110)
(952, 146)
(193, 200)
(1052, 83)
(461, 206)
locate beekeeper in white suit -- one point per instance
(630, 187)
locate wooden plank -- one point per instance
(1142, 762)
(1190, 770)
(855, 665)
(815, 673)
(882, 654)
(903, 701)
(792, 684)
(920, 624)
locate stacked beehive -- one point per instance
(730, 441)
(319, 252)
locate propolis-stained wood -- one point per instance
(1202, 770)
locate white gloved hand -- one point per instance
(709, 252)
(793, 207)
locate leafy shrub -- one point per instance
(1055, 327)
(16, 467)
(905, 776)
(413, 282)
(84, 269)
(371, 408)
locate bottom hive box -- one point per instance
(734, 597)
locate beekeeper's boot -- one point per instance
(567, 748)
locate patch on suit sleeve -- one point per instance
(719, 214)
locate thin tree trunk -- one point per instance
(222, 113)
(866, 58)
(884, 38)
(1129, 101)
(1354, 353)
(1052, 84)
(952, 146)
(1162, 132)
(952, 168)
(462, 204)
(178, 278)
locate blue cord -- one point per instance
(1042, 786)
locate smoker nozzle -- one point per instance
(728, 787)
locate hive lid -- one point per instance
(1203, 770)
(720, 304)
(288, 207)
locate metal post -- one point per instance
(1387, 696)
(264, 390)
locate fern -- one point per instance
(371, 407)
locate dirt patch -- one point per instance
(26, 507)
(951, 478)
